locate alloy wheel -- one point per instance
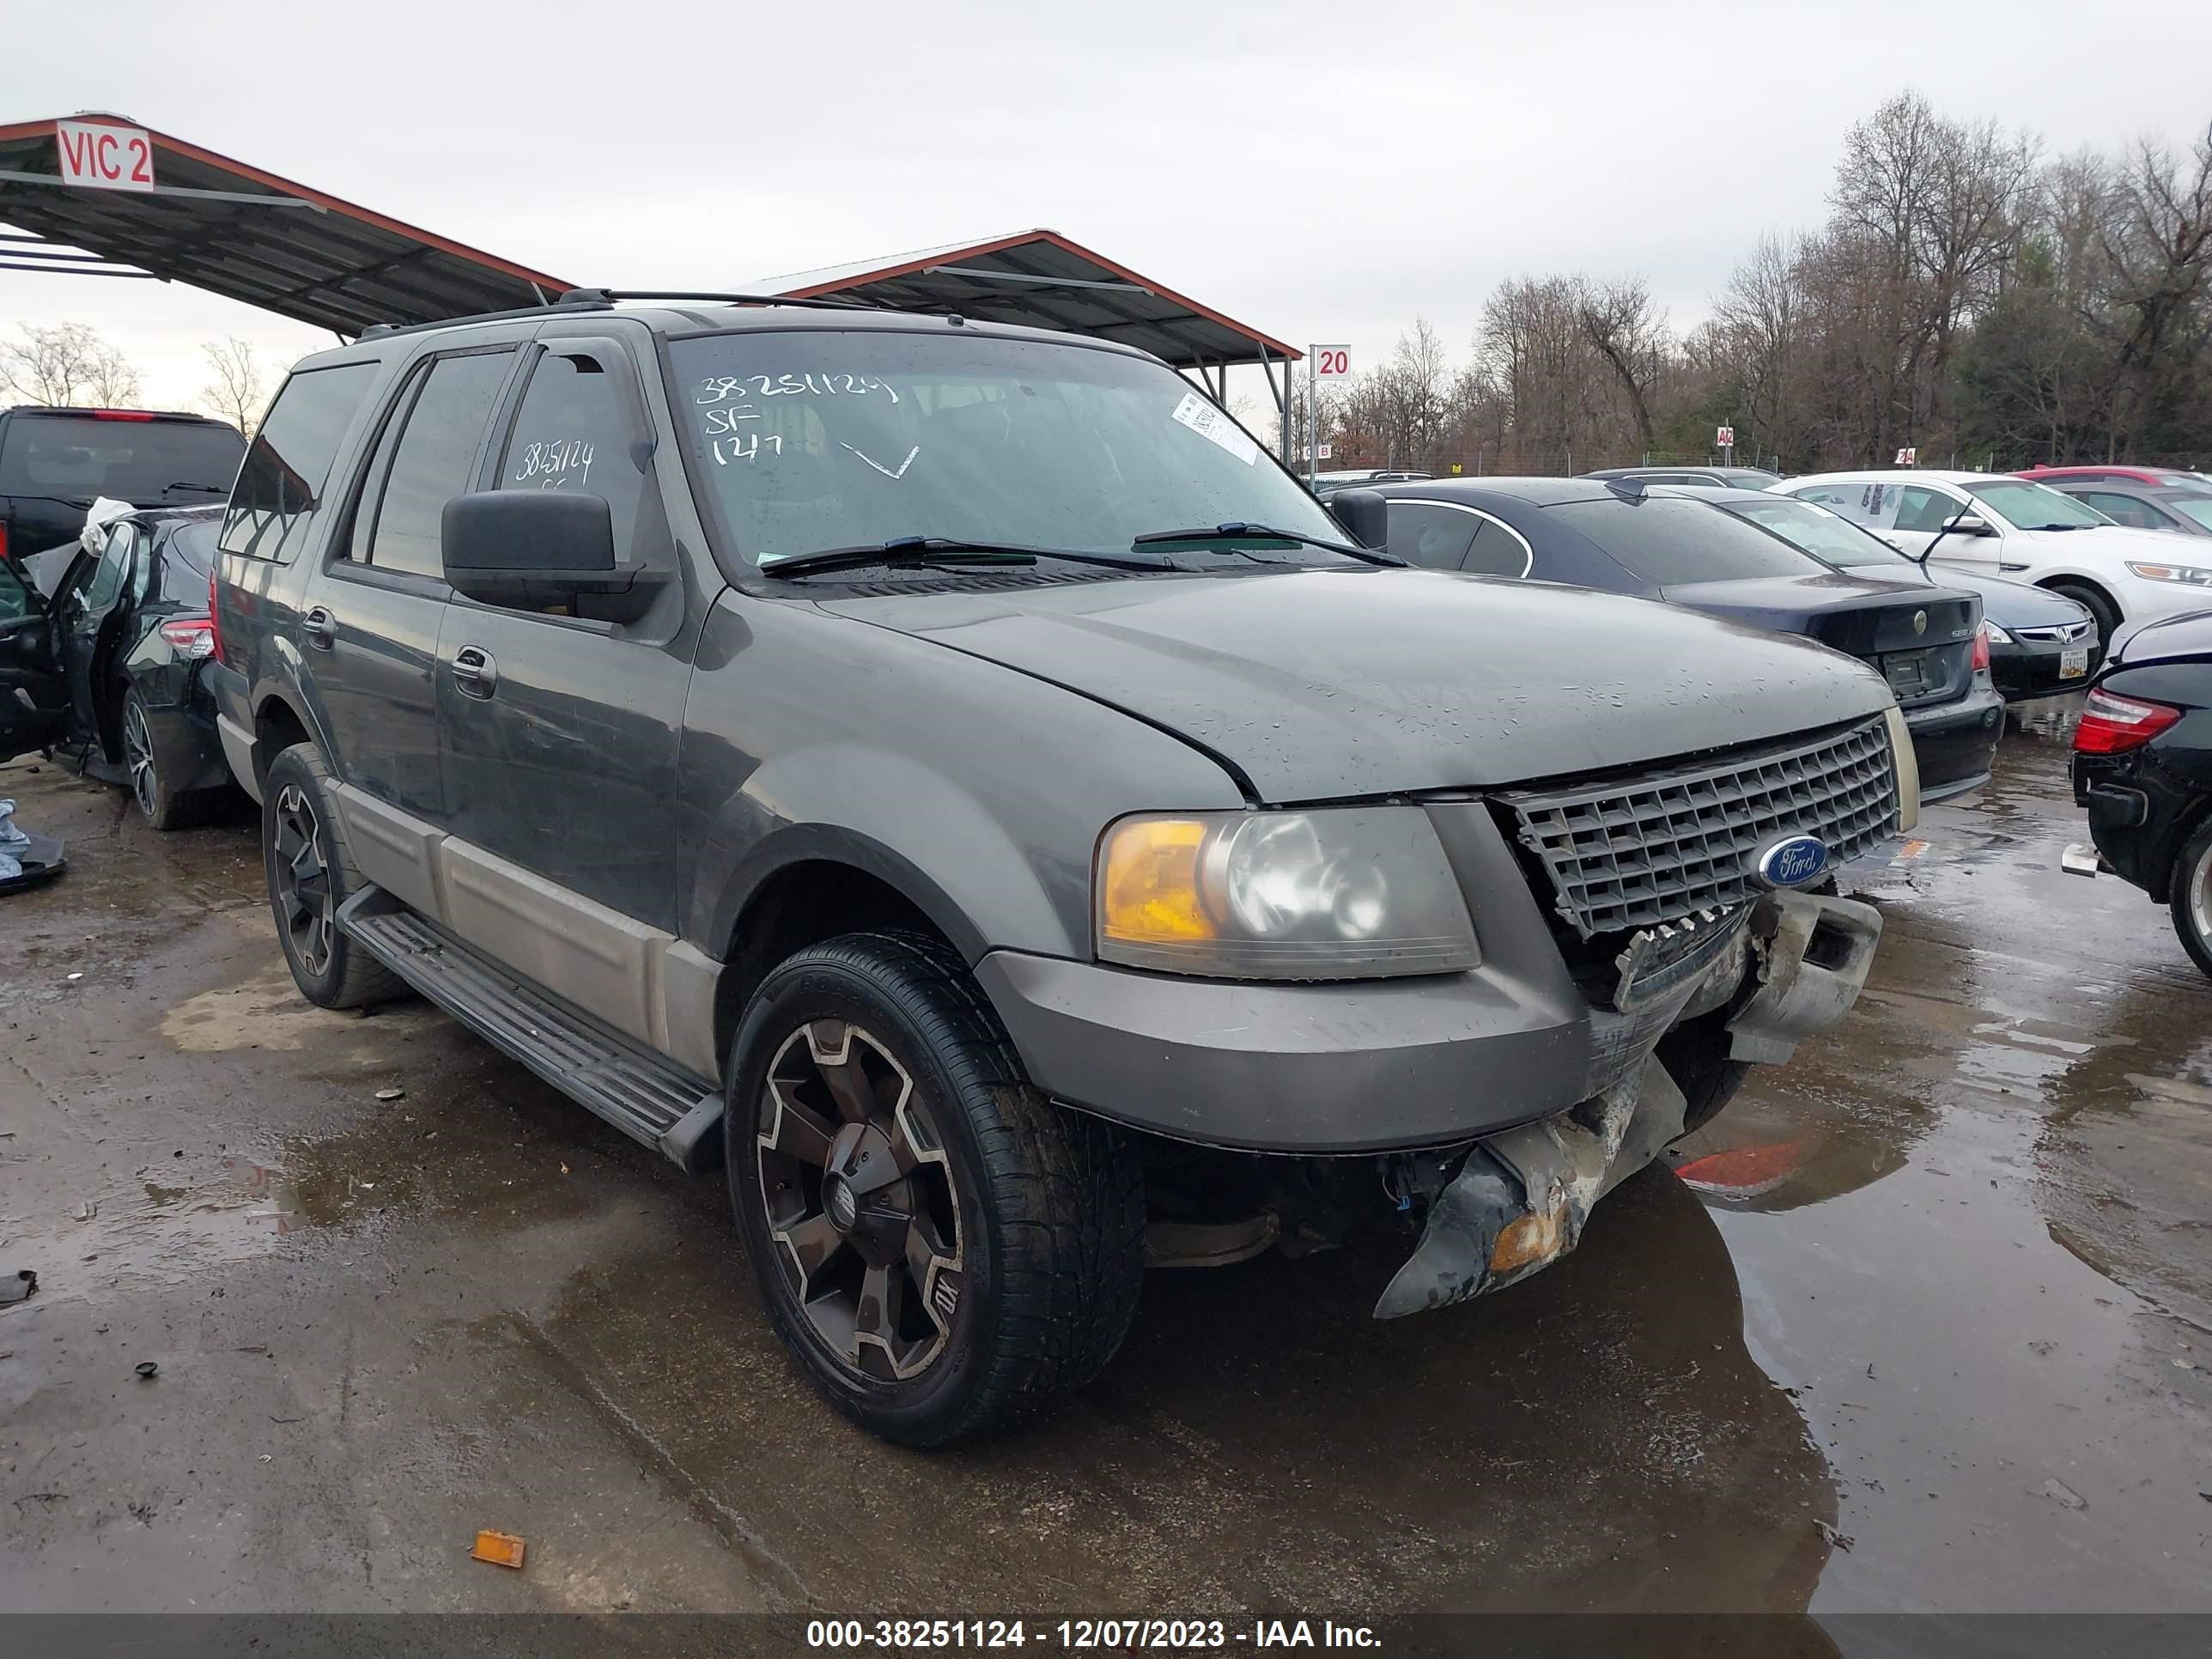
(2200, 896)
(138, 755)
(305, 901)
(861, 1206)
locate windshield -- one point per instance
(1667, 540)
(1815, 530)
(2026, 506)
(815, 439)
(74, 457)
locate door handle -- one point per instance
(474, 672)
(321, 628)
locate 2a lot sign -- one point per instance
(105, 157)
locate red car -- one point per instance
(2142, 474)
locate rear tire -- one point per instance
(159, 806)
(2108, 619)
(2191, 890)
(311, 872)
(971, 1251)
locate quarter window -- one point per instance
(432, 461)
(278, 487)
(572, 435)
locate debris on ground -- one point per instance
(1835, 1540)
(2059, 1492)
(148, 1369)
(391, 1094)
(501, 1549)
(18, 1285)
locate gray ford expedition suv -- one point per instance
(948, 776)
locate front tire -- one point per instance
(939, 1246)
(2193, 896)
(310, 873)
(1696, 1055)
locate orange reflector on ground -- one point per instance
(501, 1549)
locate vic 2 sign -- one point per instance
(105, 157)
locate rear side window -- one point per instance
(2125, 509)
(1426, 534)
(15, 602)
(1667, 539)
(571, 435)
(434, 460)
(280, 487)
(137, 460)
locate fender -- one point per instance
(900, 821)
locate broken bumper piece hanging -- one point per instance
(1791, 968)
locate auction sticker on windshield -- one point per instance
(1208, 422)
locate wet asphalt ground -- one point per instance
(1924, 1320)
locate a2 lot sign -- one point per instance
(105, 157)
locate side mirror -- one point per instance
(1973, 523)
(531, 550)
(1364, 515)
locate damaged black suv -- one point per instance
(951, 777)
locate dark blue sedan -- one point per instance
(1673, 544)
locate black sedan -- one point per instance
(1624, 537)
(107, 672)
(2040, 643)
(2142, 765)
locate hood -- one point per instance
(1854, 614)
(2013, 605)
(2189, 635)
(1324, 684)
(2126, 541)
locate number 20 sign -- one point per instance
(1331, 361)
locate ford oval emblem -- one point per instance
(1790, 862)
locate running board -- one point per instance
(649, 1098)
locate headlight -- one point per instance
(2195, 574)
(1344, 893)
(1998, 636)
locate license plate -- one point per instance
(2072, 664)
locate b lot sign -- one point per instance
(101, 157)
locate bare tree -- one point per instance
(66, 363)
(235, 391)
(1629, 332)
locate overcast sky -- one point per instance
(1323, 172)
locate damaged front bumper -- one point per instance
(1521, 1198)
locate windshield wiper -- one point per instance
(1261, 532)
(186, 483)
(942, 550)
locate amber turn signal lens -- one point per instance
(1150, 891)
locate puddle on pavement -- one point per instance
(1599, 1436)
(268, 1012)
(1967, 1225)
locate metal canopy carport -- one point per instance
(235, 230)
(1042, 279)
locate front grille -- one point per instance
(2063, 633)
(1639, 851)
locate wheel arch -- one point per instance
(2058, 582)
(813, 882)
(277, 724)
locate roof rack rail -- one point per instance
(576, 300)
(609, 296)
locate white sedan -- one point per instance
(2002, 525)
